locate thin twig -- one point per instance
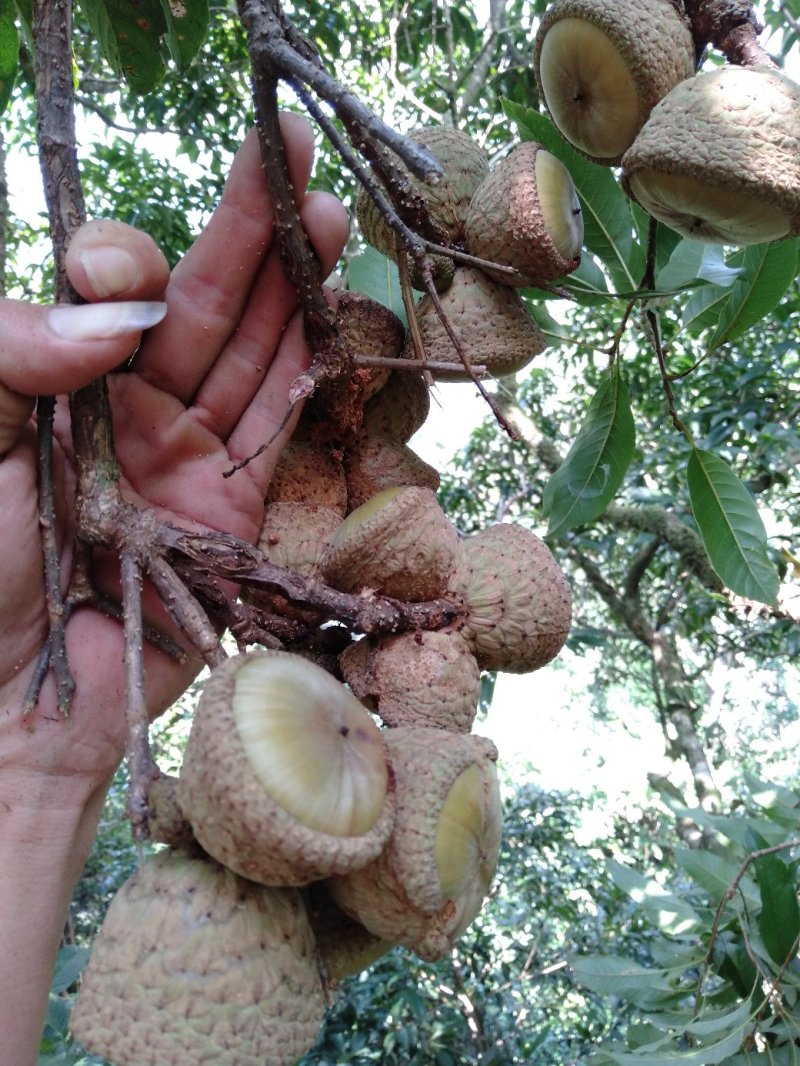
(142, 767)
(727, 896)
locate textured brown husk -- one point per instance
(234, 818)
(399, 543)
(495, 328)
(653, 38)
(430, 678)
(194, 965)
(519, 604)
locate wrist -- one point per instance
(43, 846)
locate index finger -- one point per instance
(209, 287)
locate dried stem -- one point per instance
(55, 136)
(731, 26)
(228, 557)
(142, 768)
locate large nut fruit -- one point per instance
(285, 778)
(719, 158)
(428, 678)
(518, 602)
(495, 328)
(430, 881)
(194, 964)
(602, 65)
(526, 215)
(399, 543)
(465, 164)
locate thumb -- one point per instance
(52, 350)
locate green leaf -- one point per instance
(672, 915)
(617, 976)
(57, 1017)
(701, 310)
(692, 261)
(376, 276)
(187, 23)
(711, 1055)
(731, 528)
(779, 920)
(130, 35)
(775, 799)
(714, 873)
(595, 465)
(69, 966)
(768, 270)
(9, 51)
(607, 221)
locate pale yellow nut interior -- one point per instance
(707, 212)
(588, 89)
(313, 747)
(468, 833)
(559, 204)
(360, 515)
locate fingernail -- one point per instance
(99, 322)
(111, 271)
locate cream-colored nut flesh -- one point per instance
(708, 212)
(311, 744)
(588, 88)
(468, 832)
(559, 204)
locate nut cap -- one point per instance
(465, 165)
(194, 964)
(602, 65)
(526, 215)
(519, 604)
(399, 543)
(428, 884)
(495, 327)
(429, 678)
(285, 778)
(719, 158)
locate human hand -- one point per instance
(209, 385)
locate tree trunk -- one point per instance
(681, 711)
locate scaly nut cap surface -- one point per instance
(374, 462)
(308, 473)
(518, 601)
(526, 215)
(295, 536)
(196, 965)
(399, 543)
(495, 327)
(429, 679)
(428, 884)
(719, 158)
(465, 165)
(602, 65)
(400, 408)
(285, 777)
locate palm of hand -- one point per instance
(209, 386)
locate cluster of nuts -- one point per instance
(322, 815)
(522, 215)
(715, 155)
